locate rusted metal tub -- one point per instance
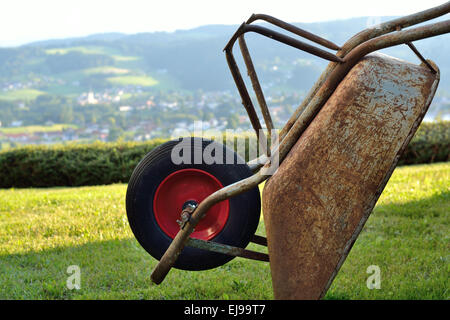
(318, 201)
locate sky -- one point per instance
(23, 21)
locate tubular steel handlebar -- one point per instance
(394, 25)
(244, 28)
(352, 51)
(289, 27)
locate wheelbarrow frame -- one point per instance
(369, 40)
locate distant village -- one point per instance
(17, 133)
(145, 129)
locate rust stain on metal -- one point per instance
(317, 202)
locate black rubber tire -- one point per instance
(244, 209)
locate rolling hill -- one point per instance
(184, 59)
(181, 61)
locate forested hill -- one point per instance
(157, 82)
(186, 59)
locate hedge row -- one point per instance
(106, 163)
(71, 165)
(431, 143)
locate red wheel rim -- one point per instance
(189, 185)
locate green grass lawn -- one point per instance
(37, 128)
(44, 231)
(105, 70)
(81, 49)
(21, 94)
(92, 50)
(144, 81)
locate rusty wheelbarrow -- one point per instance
(335, 155)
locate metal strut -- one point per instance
(226, 249)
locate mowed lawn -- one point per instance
(44, 231)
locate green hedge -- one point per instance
(431, 143)
(71, 165)
(105, 163)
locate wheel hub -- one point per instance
(189, 187)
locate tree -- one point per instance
(66, 114)
(232, 121)
(115, 133)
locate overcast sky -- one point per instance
(23, 21)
